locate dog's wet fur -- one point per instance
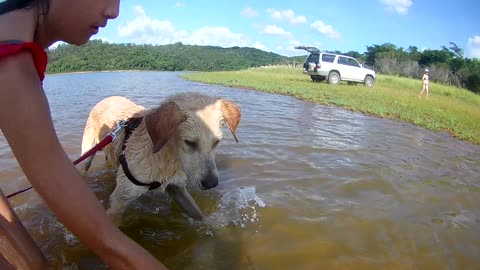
(174, 144)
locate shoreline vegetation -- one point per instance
(448, 109)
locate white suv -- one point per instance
(335, 68)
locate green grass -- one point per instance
(448, 109)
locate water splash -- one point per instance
(237, 207)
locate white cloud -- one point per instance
(294, 43)
(260, 46)
(286, 15)
(249, 12)
(275, 30)
(324, 29)
(473, 47)
(286, 51)
(179, 4)
(219, 36)
(289, 49)
(54, 45)
(283, 49)
(143, 29)
(142, 26)
(400, 6)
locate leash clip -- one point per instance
(120, 125)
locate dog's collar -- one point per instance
(132, 124)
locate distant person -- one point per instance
(27, 28)
(424, 84)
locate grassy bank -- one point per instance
(448, 109)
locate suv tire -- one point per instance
(368, 81)
(333, 77)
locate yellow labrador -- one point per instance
(169, 147)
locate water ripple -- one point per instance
(306, 183)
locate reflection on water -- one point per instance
(307, 187)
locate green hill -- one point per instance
(98, 55)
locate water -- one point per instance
(307, 187)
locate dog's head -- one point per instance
(189, 126)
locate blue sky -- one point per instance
(280, 25)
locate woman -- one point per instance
(27, 27)
(425, 84)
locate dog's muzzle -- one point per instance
(210, 181)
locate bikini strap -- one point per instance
(40, 59)
(11, 41)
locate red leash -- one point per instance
(110, 137)
(95, 149)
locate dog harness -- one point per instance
(13, 47)
(131, 125)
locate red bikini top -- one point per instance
(12, 47)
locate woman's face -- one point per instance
(75, 21)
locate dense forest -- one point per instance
(447, 65)
(98, 55)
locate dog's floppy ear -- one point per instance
(162, 123)
(231, 115)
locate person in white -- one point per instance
(425, 84)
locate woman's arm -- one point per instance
(20, 250)
(26, 122)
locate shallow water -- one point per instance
(307, 187)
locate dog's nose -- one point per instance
(210, 181)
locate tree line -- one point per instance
(447, 65)
(97, 55)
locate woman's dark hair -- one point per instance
(41, 6)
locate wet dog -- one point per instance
(169, 147)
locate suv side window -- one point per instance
(343, 60)
(352, 62)
(328, 58)
(348, 61)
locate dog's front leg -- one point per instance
(84, 166)
(125, 192)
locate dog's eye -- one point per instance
(192, 144)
